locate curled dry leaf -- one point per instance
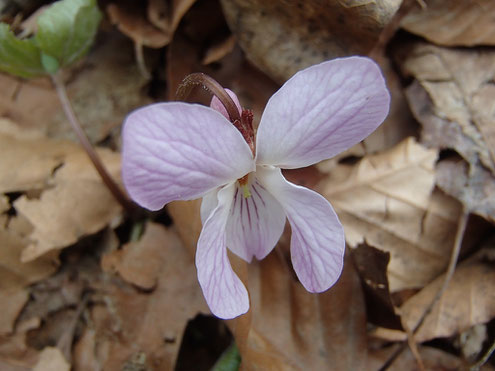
(77, 205)
(452, 99)
(220, 50)
(281, 38)
(387, 200)
(468, 300)
(453, 23)
(153, 323)
(474, 187)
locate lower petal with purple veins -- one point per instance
(223, 290)
(256, 221)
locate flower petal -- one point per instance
(218, 106)
(321, 111)
(180, 151)
(317, 242)
(208, 204)
(255, 223)
(223, 290)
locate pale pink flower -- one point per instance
(181, 151)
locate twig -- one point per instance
(461, 227)
(128, 206)
(138, 51)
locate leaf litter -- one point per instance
(76, 290)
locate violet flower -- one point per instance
(181, 151)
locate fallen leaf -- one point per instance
(140, 262)
(77, 205)
(153, 323)
(219, 50)
(4, 204)
(13, 273)
(293, 329)
(52, 359)
(452, 99)
(433, 359)
(11, 304)
(453, 23)
(282, 38)
(28, 159)
(386, 200)
(474, 186)
(154, 29)
(371, 264)
(469, 300)
(13, 348)
(85, 351)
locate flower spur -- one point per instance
(182, 151)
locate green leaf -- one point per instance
(66, 30)
(230, 360)
(19, 57)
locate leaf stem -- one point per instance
(128, 206)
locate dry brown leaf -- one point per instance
(474, 187)
(453, 23)
(4, 204)
(77, 205)
(14, 351)
(156, 28)
(85, 352)
(281, 38)
(386, 200)
(140, 262)
(28, 159)
(452, 99)
(52, 359)
(152, 324)
(293, 329)
(110, 67)
(11, 304)
(433, 359)
(220, 50)
(468, 300)
(371, 264)
(15, 274)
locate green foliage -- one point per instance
(66, 30)
(19, 57)
(230, 360)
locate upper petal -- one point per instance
(223, 290)
(179, 151)
(317, 242)
(255, 222)
(321, 111)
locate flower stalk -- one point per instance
(114, 189)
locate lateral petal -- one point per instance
(223, 290)
(255, 222)
(317, 242)
(180, 151)
(321, 111)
